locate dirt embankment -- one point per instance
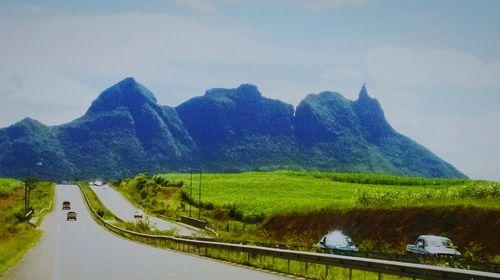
(392, 229)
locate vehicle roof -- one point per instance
(433, 237)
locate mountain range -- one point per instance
(125, 131)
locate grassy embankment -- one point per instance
(298, 207)
(96, 204)
(17, 236)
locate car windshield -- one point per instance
(339, 241)
(440, 243)
(349, 241)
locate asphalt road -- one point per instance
(123, 209)
(84, 250)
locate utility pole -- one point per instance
(191, 192)
(199, 199)
(26, 191)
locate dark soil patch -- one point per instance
(11, 200)
(392, 228)
(167, 192)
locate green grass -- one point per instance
(14, 247)
(8, 186)
(266, 193)
(240, 205)
(16, 236)
(96, 204)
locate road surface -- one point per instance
(84, 250)
(123, 209)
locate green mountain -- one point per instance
(355, 136)
(125, 131)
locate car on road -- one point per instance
(334, 241)
(432, 246)
(138, 214)
(71, 216)
(66, 205)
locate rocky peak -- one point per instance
(243, 92)
(363, 93)
(29, 122)
(127, 93)
(27, 125)
(372, 116)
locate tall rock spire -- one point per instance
(363, 93)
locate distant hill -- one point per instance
(125, 131)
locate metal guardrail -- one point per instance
(193, 222)
(254, 256)
(28, 215)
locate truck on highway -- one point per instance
(66, 205)
(71, 216)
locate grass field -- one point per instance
(16, 236)
(257, 193)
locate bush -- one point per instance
(19, 215)
(100, 212)
(473, 252)
(5, 192)
(144, 194)
(235, 214)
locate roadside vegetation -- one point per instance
(143, 226)
(291, 207)
(17, 236)
(96, 204)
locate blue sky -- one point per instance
(433, 65)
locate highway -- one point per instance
(123, 209)
(84, 250)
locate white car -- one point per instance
(138, 214)
(432, 246)
(336, 242)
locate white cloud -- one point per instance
(470, 143)
(209, 6)
(70, 59)
(444, 99)
(325, 4)
(409, 67)
(34, 9)
(203, 6)
(342, 73)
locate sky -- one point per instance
(433, 65)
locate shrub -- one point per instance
(19, 215)
(100, 212)
(235, 214)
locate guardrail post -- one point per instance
(288, 266)
(350, 273)
(380, 276)
(326, 271)
(306, 269)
